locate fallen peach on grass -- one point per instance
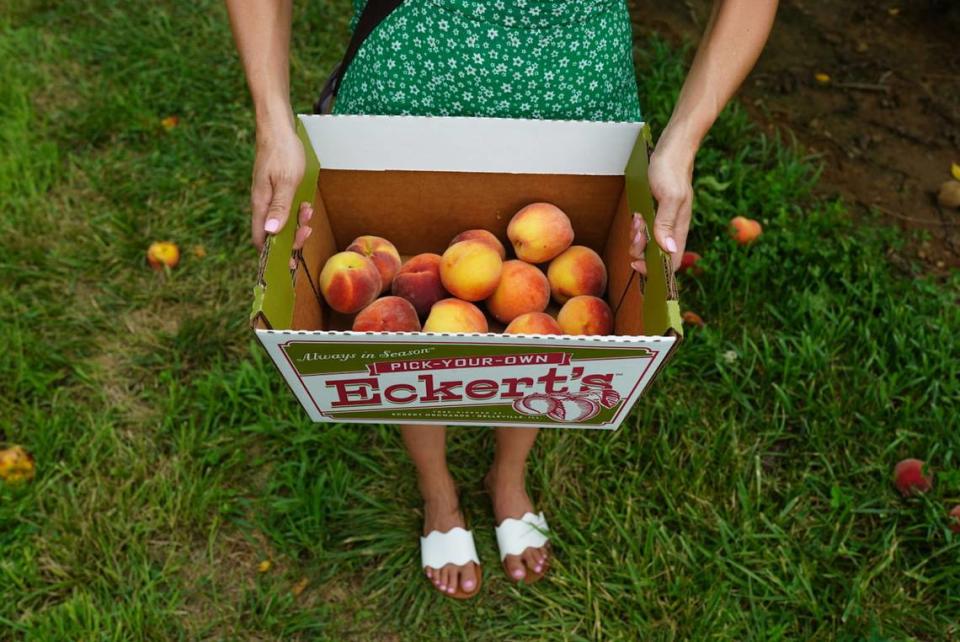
(454, 315)
(578, 270)
(586, 315)
(745, 230)
(349, 282)
(418, 281)
(539, 232)
(470, 270)
(910, 478)
(484, 236)
(534, 323)
(383, 254)
(387, 314)
(163, 254)
(523, 288)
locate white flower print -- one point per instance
(561, 59)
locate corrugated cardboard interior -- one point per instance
(421, 211)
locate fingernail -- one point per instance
(309, 232)
(671, 245)
(272, 225)
(637, 265)
(468, 584)
(518, 574)
(450, 590)
(538, 568)
(443, 587)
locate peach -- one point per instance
(349, 282)
(534, 323)
(470, 270)
(387, 314)
(586, 314)
(578, 270)
(454, 315)
(163, 254)
(690, 262)
(745, 230)
(383, 254)
(910, 478)
(481, 235)
(693, 318)
(523, 288)
(16, 465)
(418, 281)
(539, 232)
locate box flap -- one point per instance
(661, 309)
(273, 296)
(479, 145)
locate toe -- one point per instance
(515, 567)
(444, 577)
(530, 559)
(541, 556)
(454, 580)
(468, 578)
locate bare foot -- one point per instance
(510, 500)
(441, 512)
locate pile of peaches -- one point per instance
(449, 293)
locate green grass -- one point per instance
(747, 498)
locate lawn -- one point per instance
(747, 498)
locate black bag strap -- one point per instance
(372, 15)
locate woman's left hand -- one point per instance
(671, 182)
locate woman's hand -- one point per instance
(671, 176)
(277, 172)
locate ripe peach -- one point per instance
(383, 254)
(162, 254)
(955, 519)
(539, 232)
(349, 282)
(693, 319)
(418, 281)
(454, 315)
(481, 235)
(387, 314)
(523, 288)
(690, 263)
(470, 270)
(578, 270)
(909, 477)
(745, 230)
(534, 323)
(586, 314)
(16, 465)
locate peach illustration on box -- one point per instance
(567, 407)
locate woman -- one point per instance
(556, 59)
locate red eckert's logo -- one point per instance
(564, 397)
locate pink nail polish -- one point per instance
(468, 584)
(671, 245)
(518, 574)
(272, 225)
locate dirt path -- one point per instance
(887, 124)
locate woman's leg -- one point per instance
(427, 446)
(506, 483)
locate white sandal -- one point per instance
(514, 536)
(455, 547)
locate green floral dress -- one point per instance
(552, 59)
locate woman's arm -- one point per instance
(734, 38)
(261, 29)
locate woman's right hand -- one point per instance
(277, 172)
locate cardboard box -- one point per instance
(420, 181)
